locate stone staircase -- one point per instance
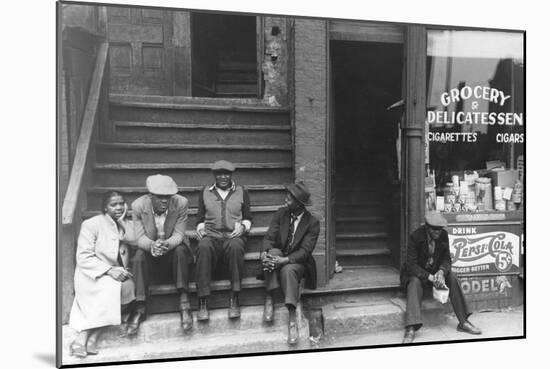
(181, 137)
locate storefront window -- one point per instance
(475, 124)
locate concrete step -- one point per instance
(190, 174)
(194, 111)
(364, 316)
(160, 337)
(260, 195)
(124, 152)
(223, 134)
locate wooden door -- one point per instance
(141, 51)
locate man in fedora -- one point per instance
(223, 222)
(287, 254)
(159, 221)
(429, 264)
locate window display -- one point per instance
(475, 127)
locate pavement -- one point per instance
(508, 322)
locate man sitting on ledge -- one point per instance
(429, 264)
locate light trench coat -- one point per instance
(97, 295)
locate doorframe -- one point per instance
(413, 39)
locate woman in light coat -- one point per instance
(101, 281)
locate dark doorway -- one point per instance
(224, 55)
(367, 79)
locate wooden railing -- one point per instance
(95, 111)
(87, 129)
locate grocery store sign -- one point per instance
(472, 113)
(483, 250)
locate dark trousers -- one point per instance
(143, 264)
(213, 250)
(288, 278)
(415, 289)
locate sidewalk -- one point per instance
(494, 324)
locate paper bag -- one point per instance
(441, 295)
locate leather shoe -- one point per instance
(409, 336)
(468, 328)
(292, 333)
(234, 308)
(124, 318)
(186, 319)
(77, 349)
(134, 322)
(203, 310)
(91, 347)
(268, 311)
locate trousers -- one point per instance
(143, 264)
(287, 278)
(415, 289)
(210, 252)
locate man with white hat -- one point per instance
(287, 254)
(159, 220)
(429, 264)
(223, 221)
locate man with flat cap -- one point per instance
(287, 254)
(429, 264)
(223, 221)
(159, 221)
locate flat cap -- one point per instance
(223, 165)
(435, 219)
(161, 185)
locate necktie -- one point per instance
(431, 250)
(290, 233)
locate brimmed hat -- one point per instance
(435, 219)
(223, 165)
(300, 192)
(161, 185)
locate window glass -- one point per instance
(475, 120)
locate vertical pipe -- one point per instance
(415, 113)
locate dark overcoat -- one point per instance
(301, 249)
(418, 255)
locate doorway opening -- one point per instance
(224, 55)
(367, 80)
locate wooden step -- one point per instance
(173, 111)
(361, 209)
(236, 87)
(223, 134)
(164, 297)
(123, 152)
(362, 257)
(361, 224)
(361, 241)
(190, 174)
(260, 195)
(261, 215)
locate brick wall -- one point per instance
(311, 122)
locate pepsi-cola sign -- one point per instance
(482, 250)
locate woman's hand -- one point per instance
(119, 274)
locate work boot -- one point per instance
(186, 319)
(234, 308)
(134, 322)
(203, 310)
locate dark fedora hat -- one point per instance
(300, 192)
